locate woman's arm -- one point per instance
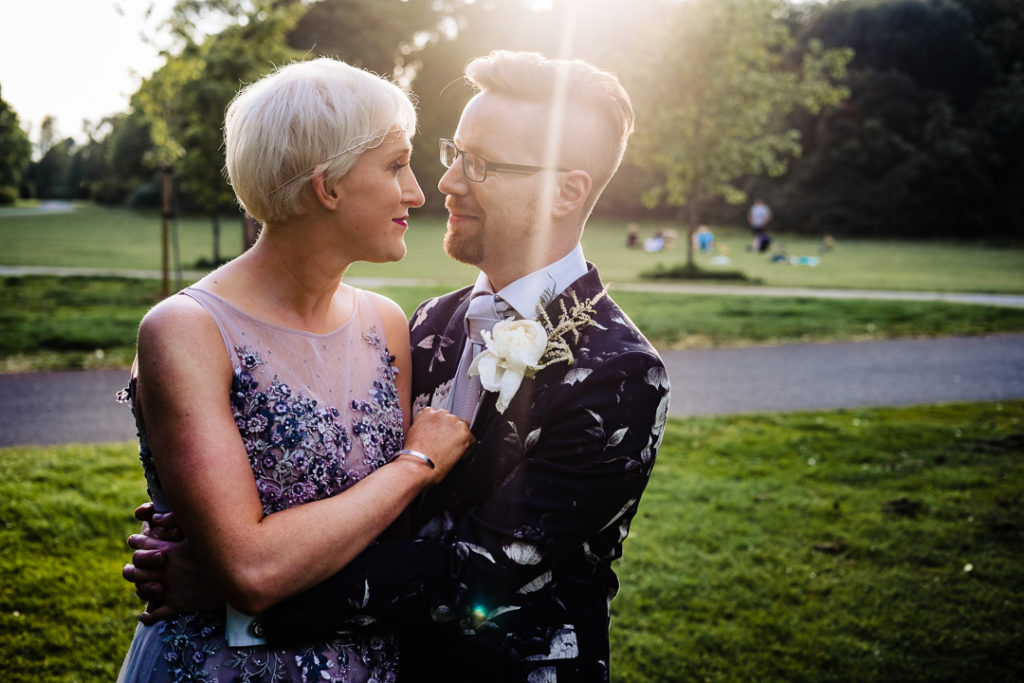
(184, 377)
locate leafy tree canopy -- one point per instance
(184, 101)
(933, 131)
(15, 152)
(713, 83)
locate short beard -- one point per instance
(468, 250)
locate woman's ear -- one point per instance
(573, 192)
(326, 195)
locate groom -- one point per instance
(504, 572)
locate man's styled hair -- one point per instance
(595, 112)
(306, 118)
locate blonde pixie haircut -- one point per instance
(597, 113)
(306, 118)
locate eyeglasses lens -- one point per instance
(448, 153)
(473, 166)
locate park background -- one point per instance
(867, 544)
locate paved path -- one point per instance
(1008, 300)
(62, 407)
(846, 375)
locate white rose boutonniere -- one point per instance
(519, 348)
(514, 349)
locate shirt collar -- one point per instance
(549, 281)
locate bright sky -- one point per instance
(75, 59)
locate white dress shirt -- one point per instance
(524, 294)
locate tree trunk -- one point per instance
(250, 231)
(216, 238)
(691, 227)
(691, 223)
(165, 229)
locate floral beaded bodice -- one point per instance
(317, 413)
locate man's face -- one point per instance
(490, 223)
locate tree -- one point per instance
(115, 172)
(48, 135)
(933, 129)
(712, 84)
(185, 100)
(56, 176)
(15, 153)
(370, 34)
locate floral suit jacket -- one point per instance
(505, 569)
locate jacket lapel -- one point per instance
(438, 335)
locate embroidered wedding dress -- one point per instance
(317, 413)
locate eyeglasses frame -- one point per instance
(496, 167)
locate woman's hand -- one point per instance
(440, 436)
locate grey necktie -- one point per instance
(485, 310)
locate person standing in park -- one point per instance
(503, 572)
(273, 417)
(759, 216)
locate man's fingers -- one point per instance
(150, 591)
(165, 518)
(142, 542)
(163, 533)
(154, 614)
(155, 560)
(139, 575)
(145, 512)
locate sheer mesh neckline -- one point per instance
(353, 315)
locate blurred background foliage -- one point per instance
(900, 118)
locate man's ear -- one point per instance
(573, 192)
(327, 196)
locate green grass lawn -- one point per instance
(926, 265)
(848, 546)
(97, 237)
(59, 323)
(91, 322)
(852, 545)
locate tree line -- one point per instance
(900, 118)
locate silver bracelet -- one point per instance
(416, 454)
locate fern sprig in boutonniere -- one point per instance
(566, 333)
(519, 348)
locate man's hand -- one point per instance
(164, 570)
(162, 525)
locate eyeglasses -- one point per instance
(475, 167)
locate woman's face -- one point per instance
(376, 195)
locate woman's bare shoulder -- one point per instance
(175, 311)
(389, 310)
(178, 322)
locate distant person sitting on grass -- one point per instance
(632, 236)
(703, 239)
(670, 235)
(655, 242)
